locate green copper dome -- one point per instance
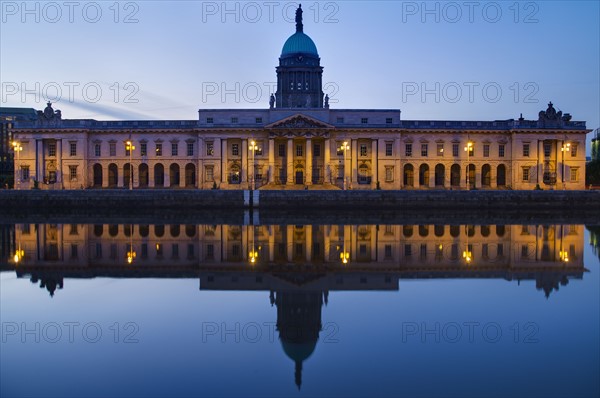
(299, 42)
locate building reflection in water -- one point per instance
(299, 264)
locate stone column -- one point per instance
(353, 163)
(271, 243)
(36, 159)
(431, 181)
(309, 242)
(289, 242)
(245, 167)
(478, 176)
(309, 162)
(59, 165)
(223, 161)
(271, 160)
(539, 165)
(150, 175)
(289, 160)
(327, 166)
(374, 163)
(326, 243)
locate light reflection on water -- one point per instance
(355, 309)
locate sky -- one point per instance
(164, 60)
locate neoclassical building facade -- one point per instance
(300, 142)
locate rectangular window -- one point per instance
(340, 120)
(408, 150)
(52, 149)
(526, 150)
(440, 149)
(143, 149)
(573, 150)
(235, 149)
(388, 120)
(486, 150)
(389, 173)
(574, 174)
(144, 253)
(190, 149)
(388, 251)
(258, 151)
(423, 149)
(423, 251)
(210, 149)
(389, 149)
(299, 150)
(190, 251)
(51, 177)
(25, 173)
(281, 150)
(317, 150)
(112, 149)
(98, 250)
(500, 250)
(73, 173)
(175, 250)
(73, 229)
(97, 150)
(234, 120)
(210, 176)
(525, 174)
(501, 150)
(174, 148)
(455, 150)
(74, 250)
(363, 150)
(364, 120)
(113, 251)
(158, 149)
(340, 149)
(471, 149)
(210, 252)
(547, 149)
(258, 120)
(210, 120)
(407, 250)
(72, 148)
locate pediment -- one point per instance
(299, 121)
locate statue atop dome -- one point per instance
(299, 26)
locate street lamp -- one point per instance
(254, 251)
(253, 147)
(131, 253)
(467, 253)
(19, 254)
(468, 149)
(565, 148)
(344, 147)
(17, 148)
(130, 147)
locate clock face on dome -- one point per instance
(300, 58)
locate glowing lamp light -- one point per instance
(468, 256)
(253, 255)
(19, 254)
(345, 257)
(564, 256)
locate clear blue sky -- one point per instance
(176, 57)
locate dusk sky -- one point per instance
(434, 60)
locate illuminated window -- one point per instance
(440, 149)
(210, 148)
(363, 150)
(158, 149)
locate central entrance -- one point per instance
(299, 177)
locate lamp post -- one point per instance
(252, 147)
(565, 148)
(468, 149)
(563, 254)
(130, 147)
(17, 148)
(344, 147)
(253, 253)
(467, 254)
(131, 253)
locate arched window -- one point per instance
(409, 175)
